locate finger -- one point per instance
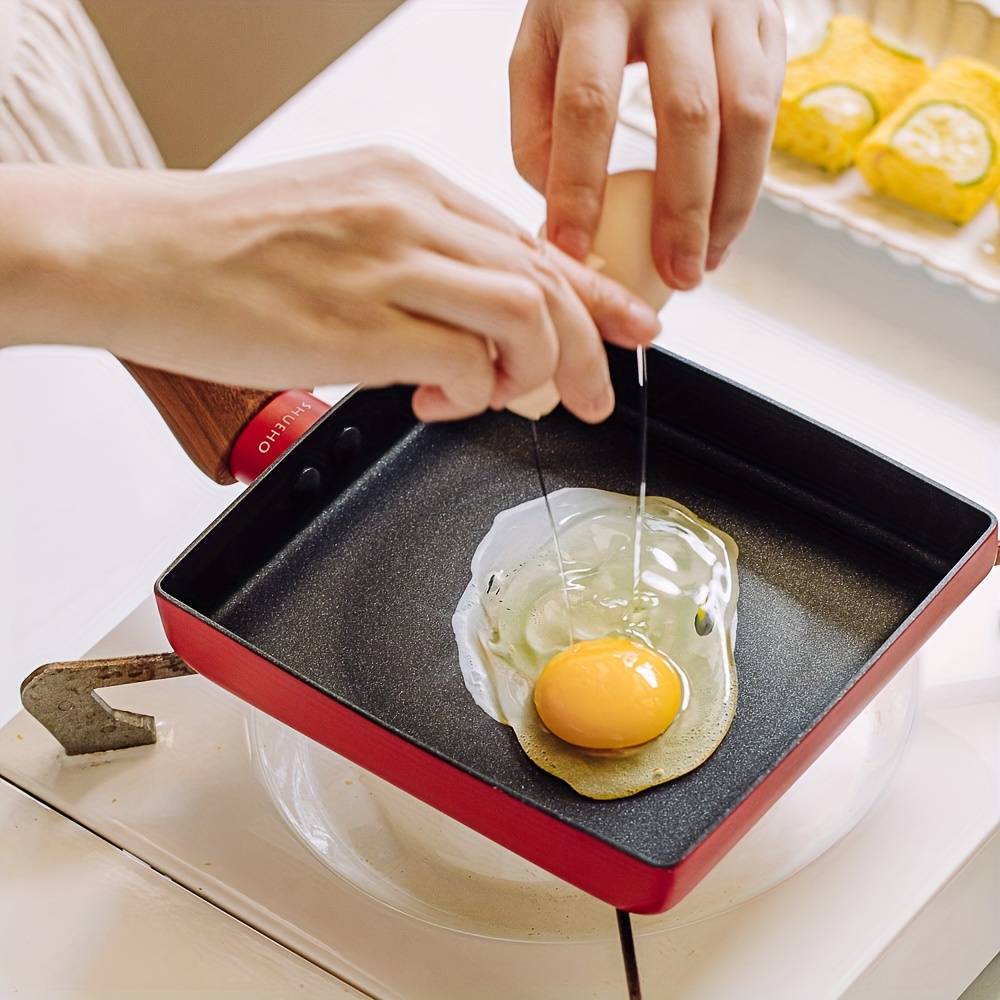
(772, 32)
(592, 56)
(506, 308)
(431, 404)
(581, 375)
(622, 318)
(424, 352)
(580, 372)
(532, 75)
(685, 93)
(538, 326)
(748, 104)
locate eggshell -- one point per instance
(624, 236)
(535, 404)
(622, 251)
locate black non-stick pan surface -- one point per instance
(344, 564)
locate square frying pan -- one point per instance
(324, 597)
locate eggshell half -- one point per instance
(622, 251)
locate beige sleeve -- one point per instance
(61, 98)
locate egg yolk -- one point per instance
(607, 694)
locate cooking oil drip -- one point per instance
(555, 533)
(633, 612)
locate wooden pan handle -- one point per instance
(205, 417)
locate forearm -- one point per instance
(360, 266)
(36, 253)
(69, 271)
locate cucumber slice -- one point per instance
(843, 106)
(894, 48)
(947, 136)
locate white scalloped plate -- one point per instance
(935, 29)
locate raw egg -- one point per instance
(612, 681)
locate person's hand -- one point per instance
(715, 71)
(364, 266)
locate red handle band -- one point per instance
(272, 431)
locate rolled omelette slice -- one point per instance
(833, 97)
(938, 150)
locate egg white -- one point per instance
(515, 615)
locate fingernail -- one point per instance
(716, 257)
(604, 404)
(573, 240)
(687, 269)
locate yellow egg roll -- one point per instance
(938, 150)
(833, 97)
